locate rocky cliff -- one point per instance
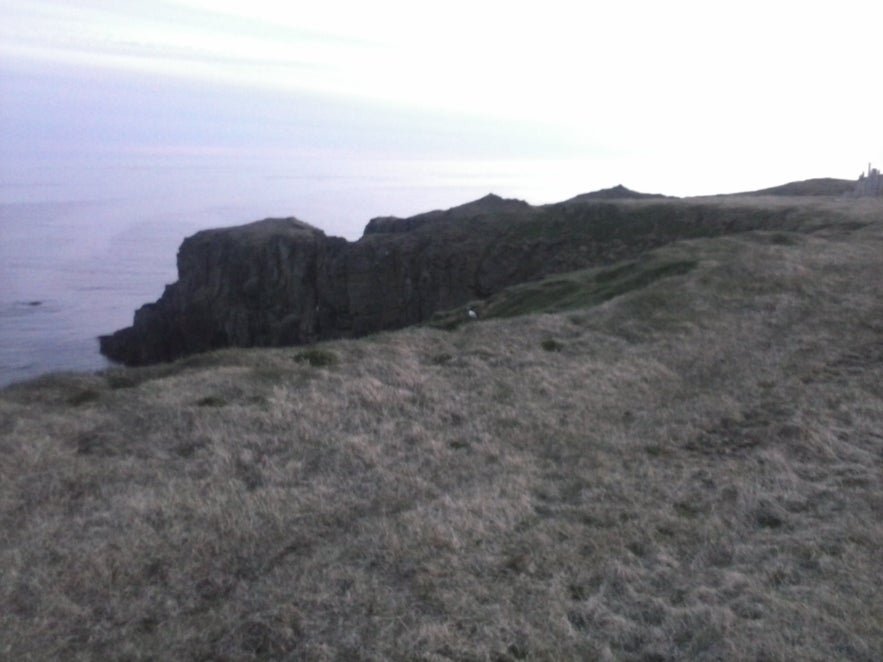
(283, 282)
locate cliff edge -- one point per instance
(283, 282)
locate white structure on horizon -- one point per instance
(869, 185)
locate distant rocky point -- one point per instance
(283, 282)
(489, 204)
(618, 192)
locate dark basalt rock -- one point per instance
(283, 282)
(250, 285)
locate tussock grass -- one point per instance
(692, 471)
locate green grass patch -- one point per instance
(552, 345)
(131, 377)
(570, 291)
(583, 289)
(84, 397)
(441, 359)
(211, 401)
(119, 378)
(317, 358)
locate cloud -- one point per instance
(533, 60)
(683, 82)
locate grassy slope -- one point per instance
(819, 186)
(691, 470)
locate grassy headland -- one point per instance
(676, 457)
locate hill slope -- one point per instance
(687, 469)
(618, 192)
(822, 186)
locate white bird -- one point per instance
(472, 314)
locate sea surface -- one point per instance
(84, 244)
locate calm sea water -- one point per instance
(83, 245)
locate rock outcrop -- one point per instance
(283, 282)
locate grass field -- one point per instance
(641, 462)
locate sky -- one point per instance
(679, 97)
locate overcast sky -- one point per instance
(680, 97)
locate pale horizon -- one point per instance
(683, 99)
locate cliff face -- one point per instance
(282, 282)
(249, 285)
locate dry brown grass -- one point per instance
(692, 472)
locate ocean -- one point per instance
(84, 244)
